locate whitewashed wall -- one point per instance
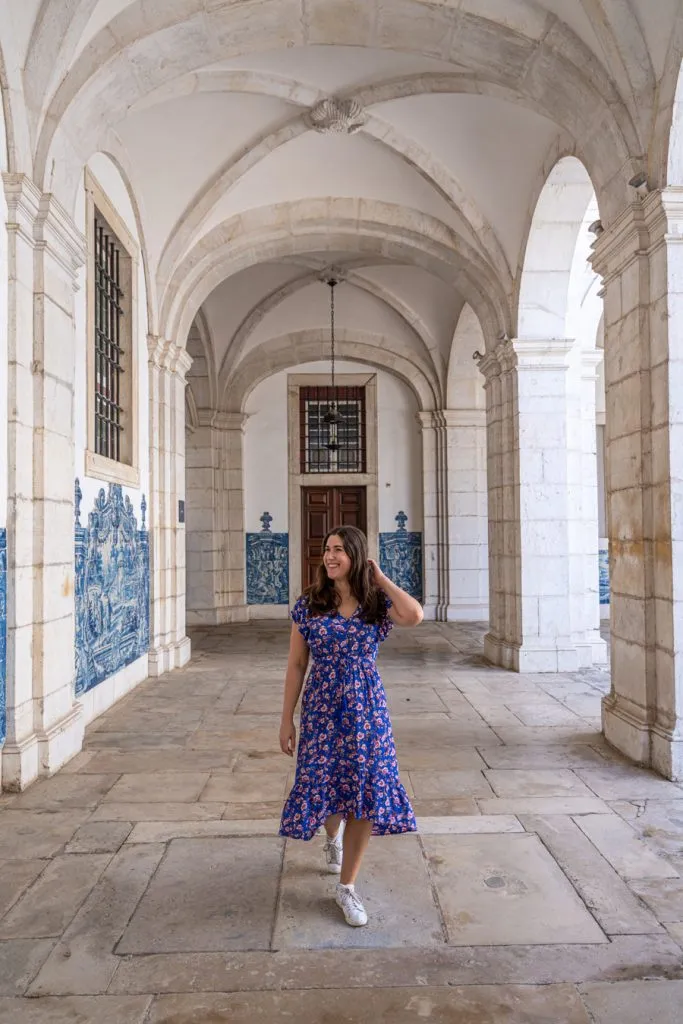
(3, 330)
(265, 449)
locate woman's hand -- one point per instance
(288, 738)
(378, 577)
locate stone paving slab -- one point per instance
(100, 837)
(103, 1010)
(538, 756)
(472, 1005)
(165, 787)
(624, 957)
(605, 894)
(395, 888)
(36, 834)
(247, 787)
(624, 850)
(63, 792)
(15, 878)
(163, 832)
(20, 961)
(50, 904)
(537, 782)
(209, 894)
(659, 822)
(439, 784)
(504, 889)
(627, 782)
(140, 811)
(576, 805)
(83, 962)
(644, 1002)
(664, 896)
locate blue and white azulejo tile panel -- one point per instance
(603, 562)
(3, 633)
(400, 557)
(267, 568)
(112, 588)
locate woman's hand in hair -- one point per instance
(377, 577)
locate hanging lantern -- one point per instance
(332, 418)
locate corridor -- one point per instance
(145, 883)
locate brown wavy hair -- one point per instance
(322, 595)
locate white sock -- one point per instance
(351, 887)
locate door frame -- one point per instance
(297, 480)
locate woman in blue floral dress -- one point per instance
(347, 773)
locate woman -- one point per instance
(347, 773)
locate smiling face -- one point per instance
(337, 563)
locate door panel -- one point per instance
(323, 508)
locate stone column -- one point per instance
(530, 617)
(640, 258)
(44, 722)
(435, 498)
(169, 645)
(216, 544)
(468, 597)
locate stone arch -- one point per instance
(674, 169)
(118, 160)
(545, 277)
(425, 341)
(465, 386)
(202, 379)
(305, 347)
(586, 106)
(389, 232)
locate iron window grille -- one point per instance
(332, 447)
(109, 257)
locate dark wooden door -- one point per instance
(322, 509)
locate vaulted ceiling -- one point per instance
(421, 176)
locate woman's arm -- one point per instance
(405, 610)
(294, 680)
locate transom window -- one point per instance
(332, 444)
(109, 340)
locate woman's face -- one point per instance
(337, 562)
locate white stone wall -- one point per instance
(265, 450)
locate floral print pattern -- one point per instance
(346, 762)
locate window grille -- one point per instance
(332, 447)
(109, 354)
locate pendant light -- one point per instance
(332, 417)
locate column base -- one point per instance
(165, 659)
(472, 611)
(528, 657)
(667, 752)
(592, 650)
(42, 753)
(626, 730)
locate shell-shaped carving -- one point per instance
(333, 116)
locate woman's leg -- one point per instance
(356, 838)
(332, 825)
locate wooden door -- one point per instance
(322, 509)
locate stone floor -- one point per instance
(146, 884)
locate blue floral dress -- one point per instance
(346, 763)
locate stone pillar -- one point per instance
(435, 498)
(44, 722)
(169, 646)
(215, 538)
(468, 597)
(527, 417)
(640, 258)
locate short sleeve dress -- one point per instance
(346, 762)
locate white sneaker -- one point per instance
(333, 851)
(350, 902)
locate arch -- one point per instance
(536, 55)
(439, 177)
(119, 161)
(465, 385)
(305, 347)
(200, 346)
(665, 164)
(546, 274)
(423, 337)
(15, 140)
(674, 169)
(357, 226)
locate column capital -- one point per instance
(453, 418)
(626, 238)
(542, 353)
(590, 360)
(224, 421)
(166, 355)
(44, 223)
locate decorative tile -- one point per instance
(112, 587)
(400, 557)
(603, 562)
(267, 565)
(3, 630)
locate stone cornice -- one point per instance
(166, 355)
(542, 353)
(23, 204)
(625, 239)
(55, 230)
